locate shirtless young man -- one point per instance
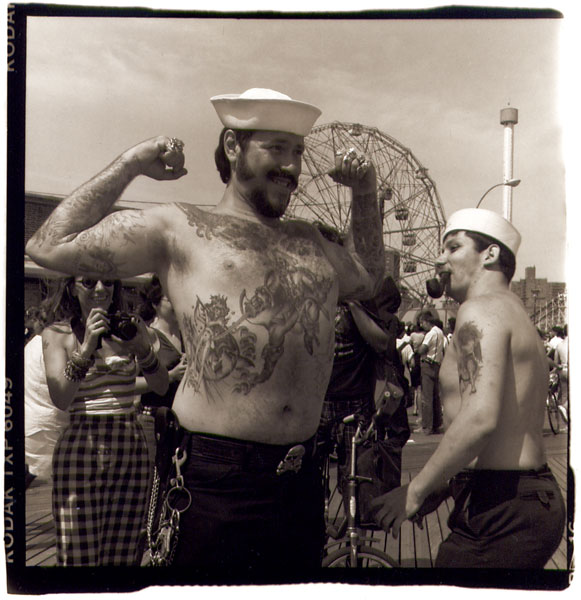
(255, 297)
(508, 512)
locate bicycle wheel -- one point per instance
(553, 412)
(368, 558)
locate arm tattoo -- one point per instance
(85, 206)
(96, 247)
(469, 356)
(367, 233)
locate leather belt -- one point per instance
(251, 455)
(430, 361)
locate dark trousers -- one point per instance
(244, 519)
(503, 519)
(431, 409)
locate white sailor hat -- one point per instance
(265, 110)
(486, 222)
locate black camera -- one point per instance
(121, 325)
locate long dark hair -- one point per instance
(61, 305)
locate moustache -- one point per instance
(291, 178)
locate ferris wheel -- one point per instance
(413, 218)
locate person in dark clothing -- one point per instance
(383, 309)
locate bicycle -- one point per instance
(358, 551)
(555, 411)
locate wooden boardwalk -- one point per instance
(417, 547)
(414, 548)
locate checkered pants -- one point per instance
(101, 469)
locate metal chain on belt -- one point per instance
(163, 540)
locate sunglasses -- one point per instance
(90, 284)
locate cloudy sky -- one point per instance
(96, 86)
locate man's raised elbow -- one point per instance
(31, 249)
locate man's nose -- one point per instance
(291, 164)
(100, 285)
(441, 259)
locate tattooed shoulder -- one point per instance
(469, 355)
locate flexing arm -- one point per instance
(482, 345)
(81, 237)
(360, 263)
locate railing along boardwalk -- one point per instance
(414, 548)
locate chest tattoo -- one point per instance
(289, 302)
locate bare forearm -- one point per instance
(462, 442)
(158, 381)
(366, 232)
(368, 328)
(85, 207)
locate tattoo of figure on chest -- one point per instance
(468, 338)
(291, 301)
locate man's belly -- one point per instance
(269, 420)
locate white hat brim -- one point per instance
(487, 222)
(266, 114)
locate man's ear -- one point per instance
(492, 254)
(230, 145)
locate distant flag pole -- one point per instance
(508, 118)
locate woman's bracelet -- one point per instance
(80, 361)
(150, 363)
(77, 367)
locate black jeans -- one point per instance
(244, 518)
(503, 519)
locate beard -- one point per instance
(259, 195)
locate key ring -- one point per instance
(176, 496)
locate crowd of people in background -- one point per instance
(382, 367)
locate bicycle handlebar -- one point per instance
(360, 419)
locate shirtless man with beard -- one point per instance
(255, 297)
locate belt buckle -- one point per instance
(292, 461)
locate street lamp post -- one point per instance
(511, 183)
(535, 294)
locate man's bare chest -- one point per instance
(249, 299)
(234, 252)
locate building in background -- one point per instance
(545, 301)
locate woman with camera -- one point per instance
(92, 354)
